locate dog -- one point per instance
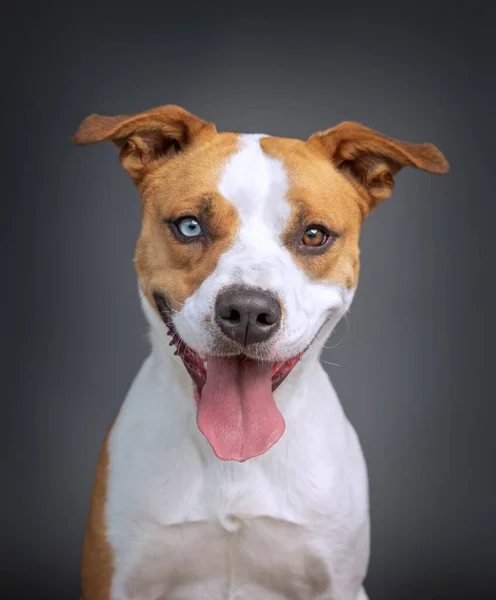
(231, 470)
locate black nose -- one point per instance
(247, 315)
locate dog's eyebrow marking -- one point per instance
(202, 205)
(206, 206)
(302, 215)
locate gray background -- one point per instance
(416, 360)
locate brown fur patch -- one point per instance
(97, 564)
(185, 185)
(319, 193)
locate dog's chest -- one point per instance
(238, 530)
(257, 558)
(233, 534)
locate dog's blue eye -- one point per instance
(189, 227)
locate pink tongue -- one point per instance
(237, 413)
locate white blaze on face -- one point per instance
(257, 184)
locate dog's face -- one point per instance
(249, 249)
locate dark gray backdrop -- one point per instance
(416, 361)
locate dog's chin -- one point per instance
(197, 366)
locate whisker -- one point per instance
(180, 304)
(329, 363)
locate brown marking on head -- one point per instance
(97, 563)
(336, 178)
(175, 160)
(186, 186)
(319, 194)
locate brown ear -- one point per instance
(145, 137)
(371, 159)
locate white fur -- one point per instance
(292, 523)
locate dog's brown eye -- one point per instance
(315, 236)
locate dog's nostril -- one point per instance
(229, 314)
(266, 319)
(234, 317)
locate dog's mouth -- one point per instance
(197, 366)
(236, 410)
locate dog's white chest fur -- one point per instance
(292, 523)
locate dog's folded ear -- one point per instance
(144, 138)
(371, 159)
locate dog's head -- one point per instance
(249, 249)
